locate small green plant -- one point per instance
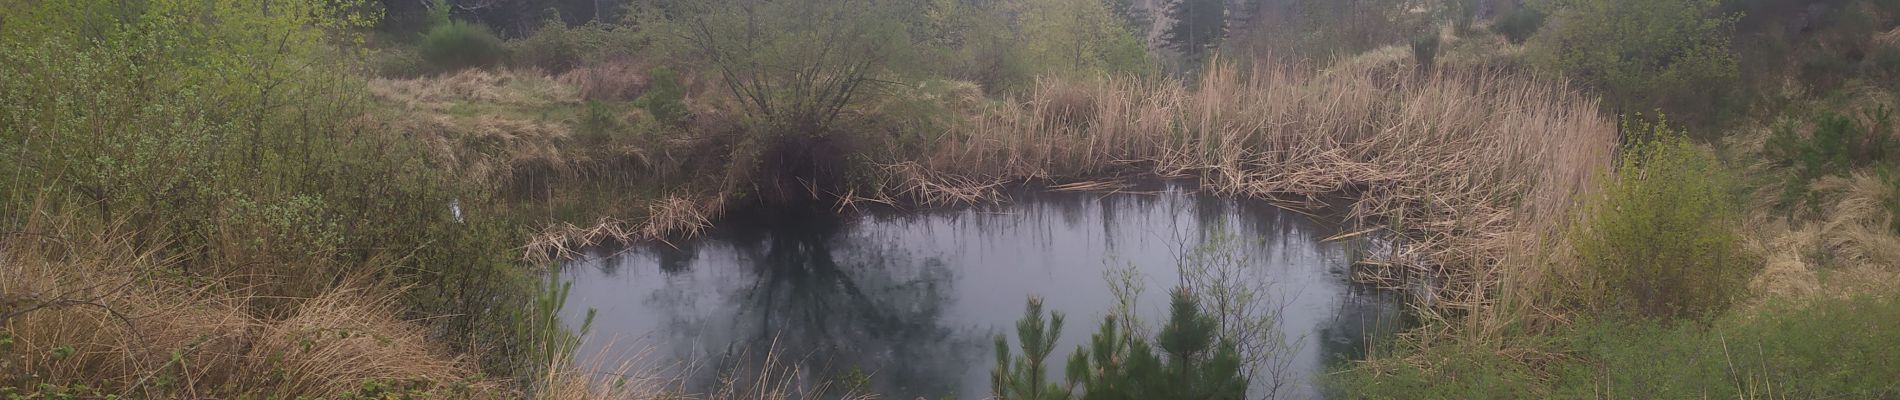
(60, 352)
(1658, 239)
(600, 120)
(665, 97)
(1891, 201)
(1025, 377)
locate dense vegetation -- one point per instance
(351, 199)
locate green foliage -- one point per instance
(1836, 146)
(599, 121)
(665, 97)
(559, 48)
(1192, 361)
(1884, 63)
(1314, 30)
(460, 45)
(1457, 371)
(1827, 348)
(1460, 13)
(1079, 37)
(229, 142)
(1199, 366)
(975, 41)
(1199, 26)
(1425, 49)
(1836, 348)
(399, 64)
(555, 344)
(1115, 365)
(1519, 24)
(1669, 54)
(553, 49)
(1658, 240)
(1026, 377)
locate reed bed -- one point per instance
(1468, 169)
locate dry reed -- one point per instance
(1469, 168)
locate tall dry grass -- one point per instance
(1469, 169)
(83, 305)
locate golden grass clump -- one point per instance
(608, 81)
(83, 307)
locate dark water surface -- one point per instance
(913, 301)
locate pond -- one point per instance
(909, 304)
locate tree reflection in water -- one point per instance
(911, 300)
(835, 307)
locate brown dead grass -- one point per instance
(137, 329)
(1846, 251)
(1471, 168)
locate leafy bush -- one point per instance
(665, 97)
(553, 49)
(1669, 54)
(1078, 37)
(459, 45)
(1658, 240)
(1519, 24)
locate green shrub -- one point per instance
(1836, 146)
(1658, 240)
(665, 97)
(1668, 54)
(459, 45)
(554, 49)
(1519, 24)
(1461, 14)
(1425, 49)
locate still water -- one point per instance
(910, 303)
